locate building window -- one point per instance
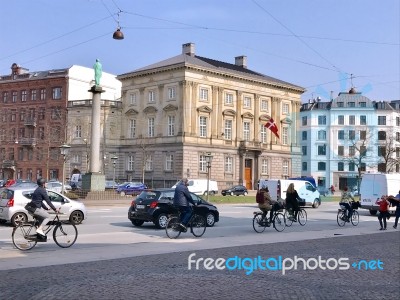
(321, 120)
(263, 134)
(228, 98)
(352, 150)
(152, 96)
(171, 93)
(57, 93)
(341, 135)
(363, 150)
(285, 108)
(24, 96)
(382, 135)
(381, 120)
(340, 104)
(42, 94)
(352, 134)
(149, 163)
(5, 97)
(304, 135)
(169, 158)
(363, 104)
(351, 104)
(363, 120)
(363, 135)
(285, 168)
(341, 120)
(228, 164)
(321, 166)
(133, 99)
(322, 149)
(33, 95)
(397, 121)
(340, 150)
(340, 166)
(363, 167)
(246, 131)
(202, 164)
(78, 131)
(352, 166)
(171, 125)
(321, 135)
(130, 163)
(150, 127)
(264, 105)
(247, 102)
(203, 94)
(304, 166)
(228, 130)
(14, 96)
(397, 136)
(304, 121)
(382, 151)
(264, 166)
(132, 128)
(203, 126)
(304, 150)
(352, 120)
(285, 135)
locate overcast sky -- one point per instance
(316, 44)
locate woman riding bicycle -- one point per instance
(345, 201)
(292, 202)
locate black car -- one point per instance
(154, 205)
(235, 190)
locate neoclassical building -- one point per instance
(177, 111)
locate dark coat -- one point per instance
(40, 195)
(182, 196)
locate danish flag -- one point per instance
(272, 126)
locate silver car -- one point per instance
(14, 199)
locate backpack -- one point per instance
(259, 197)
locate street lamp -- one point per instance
(64, 152)
(114, 162)
(208, 156)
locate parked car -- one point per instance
(235, 190)
(111, 185)
(323, 191)
(131, 188)
(57, 186)
(154, 205)
(14, 199)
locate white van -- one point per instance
(199, 186)
(307, 192)
(374, 186)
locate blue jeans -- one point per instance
(186, 213)
(348, 208)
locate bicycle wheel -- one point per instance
(257, 223)
(302, 217)
(24, 237)
(173, 229)
(355, 218)
(65, 234)
(340, 218)
(279, 222)
(288, 219)
(198, 225)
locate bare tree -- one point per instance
(388, 151)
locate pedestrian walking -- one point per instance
(383, 211)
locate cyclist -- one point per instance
(292, 203)
(181, 199)
(345, 201)
(38, 196)
(266, 205)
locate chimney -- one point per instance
(241, 61)
(188, 49)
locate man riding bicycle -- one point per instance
(345, 201)
(181, 200)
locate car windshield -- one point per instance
(149, 195)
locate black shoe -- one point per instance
(395, 227)
(183, 227)
(381, 228)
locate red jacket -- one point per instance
(383, 205)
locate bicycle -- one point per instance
(24, 236)
(197, 224)
(301, 217)
(341, 215)
(278, 220)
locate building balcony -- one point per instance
(27, 142)
(30, 122)
(7, 164)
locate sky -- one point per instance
(324, 46)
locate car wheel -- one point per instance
(231, 193)
(161, 221)
(76, 217)
(18, 218)
(122, 193)
(245, 194)
(137, 223)
(210, 219)
(315, 204)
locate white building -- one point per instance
(335, 135)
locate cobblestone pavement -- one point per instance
(167, 276)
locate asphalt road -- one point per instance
(166, 276)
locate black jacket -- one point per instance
(38, 196)
(182, 196)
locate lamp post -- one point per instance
(86, 141)
(64, 152)
(208, 156)
(114, 162)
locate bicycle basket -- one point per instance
(355, 205)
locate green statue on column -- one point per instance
(98, 70)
